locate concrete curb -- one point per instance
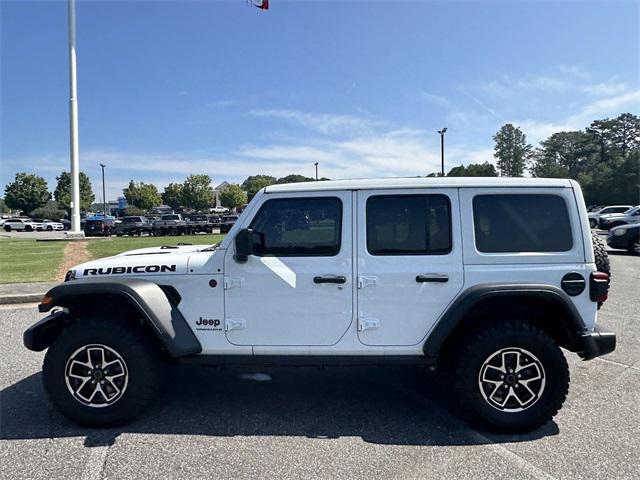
(21, 298)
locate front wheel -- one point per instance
(593, 223)
(101, 372)
(511, 376)
(634, 248)
(7, 228)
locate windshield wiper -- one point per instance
(211, 248)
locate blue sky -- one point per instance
(172, 88)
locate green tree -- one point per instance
(562, 155)
(296, 179)
(131, 210)
(27, 192)
(233, 196)
(3, 206)
(51, 210)
(62, 193)
(255, 183)
(142, 195)
(485, 169)
(197, 192)
(172, 195)
(511, 150)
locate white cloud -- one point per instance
(436, 100)
(324, 123)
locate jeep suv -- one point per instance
(485, 279)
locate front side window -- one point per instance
(299, 227)
(408, 225)
(521, 223)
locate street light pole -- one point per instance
(73, 123)
(442, 132)
(316, 164)
(104, 198)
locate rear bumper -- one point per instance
(596, 343)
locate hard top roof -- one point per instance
(419, 182)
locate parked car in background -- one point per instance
(219, 210)
(625, 237)
(170, 224)
(51, 225)
(66, 223)
(22, 225)
(133, 225)
(616, 219)
(227, 222)
(594, 217)
(100, 227)
(199, 223)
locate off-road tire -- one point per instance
(480, 345)
(143, 366)
(601, 255)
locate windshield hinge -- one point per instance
(234, 324)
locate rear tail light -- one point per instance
(598, 286)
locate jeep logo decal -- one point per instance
(136, 269)
(208, 324)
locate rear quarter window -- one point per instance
(521, 223)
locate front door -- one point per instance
(297, 287)
(409, 262)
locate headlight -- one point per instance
(619, 232)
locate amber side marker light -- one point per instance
(46, 300)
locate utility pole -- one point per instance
(104, 198)
(73, 124)
(442, 132)
(316, 164)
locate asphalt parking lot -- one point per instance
(331, 423)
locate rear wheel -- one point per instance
(101, 372)
(7, 228)
(634, 248)
(511, 376)
(50, 228)
(593, 223)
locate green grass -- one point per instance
(29, 261)
(115, 245)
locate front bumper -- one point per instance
(596, 343)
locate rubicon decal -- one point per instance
(136, 269)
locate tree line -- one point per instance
(604, 158)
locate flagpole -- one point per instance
(73, 123)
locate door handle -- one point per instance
(432, 278)
(330, 279)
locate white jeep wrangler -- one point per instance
(487, 277)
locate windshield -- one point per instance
(171, 217)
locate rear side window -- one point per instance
(299, 227)
(521, 223)
(408, 225)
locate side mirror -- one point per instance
(244, 244)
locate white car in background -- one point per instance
(51, 225)
(594, 217)
(22, 225)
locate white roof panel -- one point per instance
(419, 182)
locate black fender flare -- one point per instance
(572, 321)
(154, 306)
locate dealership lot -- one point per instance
(331, 423)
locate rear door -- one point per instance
(409, 262)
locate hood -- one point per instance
(164, 250)
(143, 262)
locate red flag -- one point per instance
(261, 4)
